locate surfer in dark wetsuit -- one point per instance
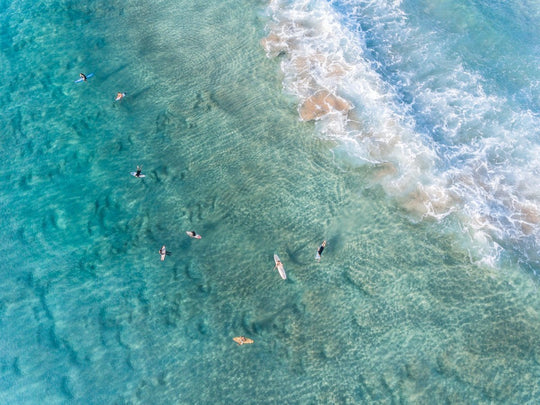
(163, 252)
(138, 172)
(83, 76)
(321, 248)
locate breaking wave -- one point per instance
(405, 93)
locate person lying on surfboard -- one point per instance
(241, 340)
(163, 252)
(119, 96)
(83, 77)
(193, 234)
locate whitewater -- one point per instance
(440, 99)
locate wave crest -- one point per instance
(438, 143)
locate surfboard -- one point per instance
(163, 252)
(196, 236)
(140, 175)
(120, 96)
(241, 340)
(280, 267)
(88, 76)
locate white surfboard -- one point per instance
(163, 252)
(140, 176)
(280, 267)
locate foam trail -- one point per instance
(446, 138)
(323, 57)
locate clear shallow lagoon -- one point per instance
(407, 305)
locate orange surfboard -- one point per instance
(241, 340)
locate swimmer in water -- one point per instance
(320, 250)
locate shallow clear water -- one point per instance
(395, 311)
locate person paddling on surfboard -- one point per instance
(280, 267)
(163, 252)
(320, 250)
(193, 234)
(83, 77)
(241, 340)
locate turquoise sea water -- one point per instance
(408, 304)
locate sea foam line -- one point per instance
(450, 148)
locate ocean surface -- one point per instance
(404, 133)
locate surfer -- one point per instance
(138, 173)
(119, 96)
(163, 252)
(193, 234)
(280, 267)
(320, 250)
(83, 77)
(242, 340)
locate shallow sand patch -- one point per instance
(322, 103)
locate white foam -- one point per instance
(477, 152)
(321, 54)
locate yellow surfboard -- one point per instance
(241, 340)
